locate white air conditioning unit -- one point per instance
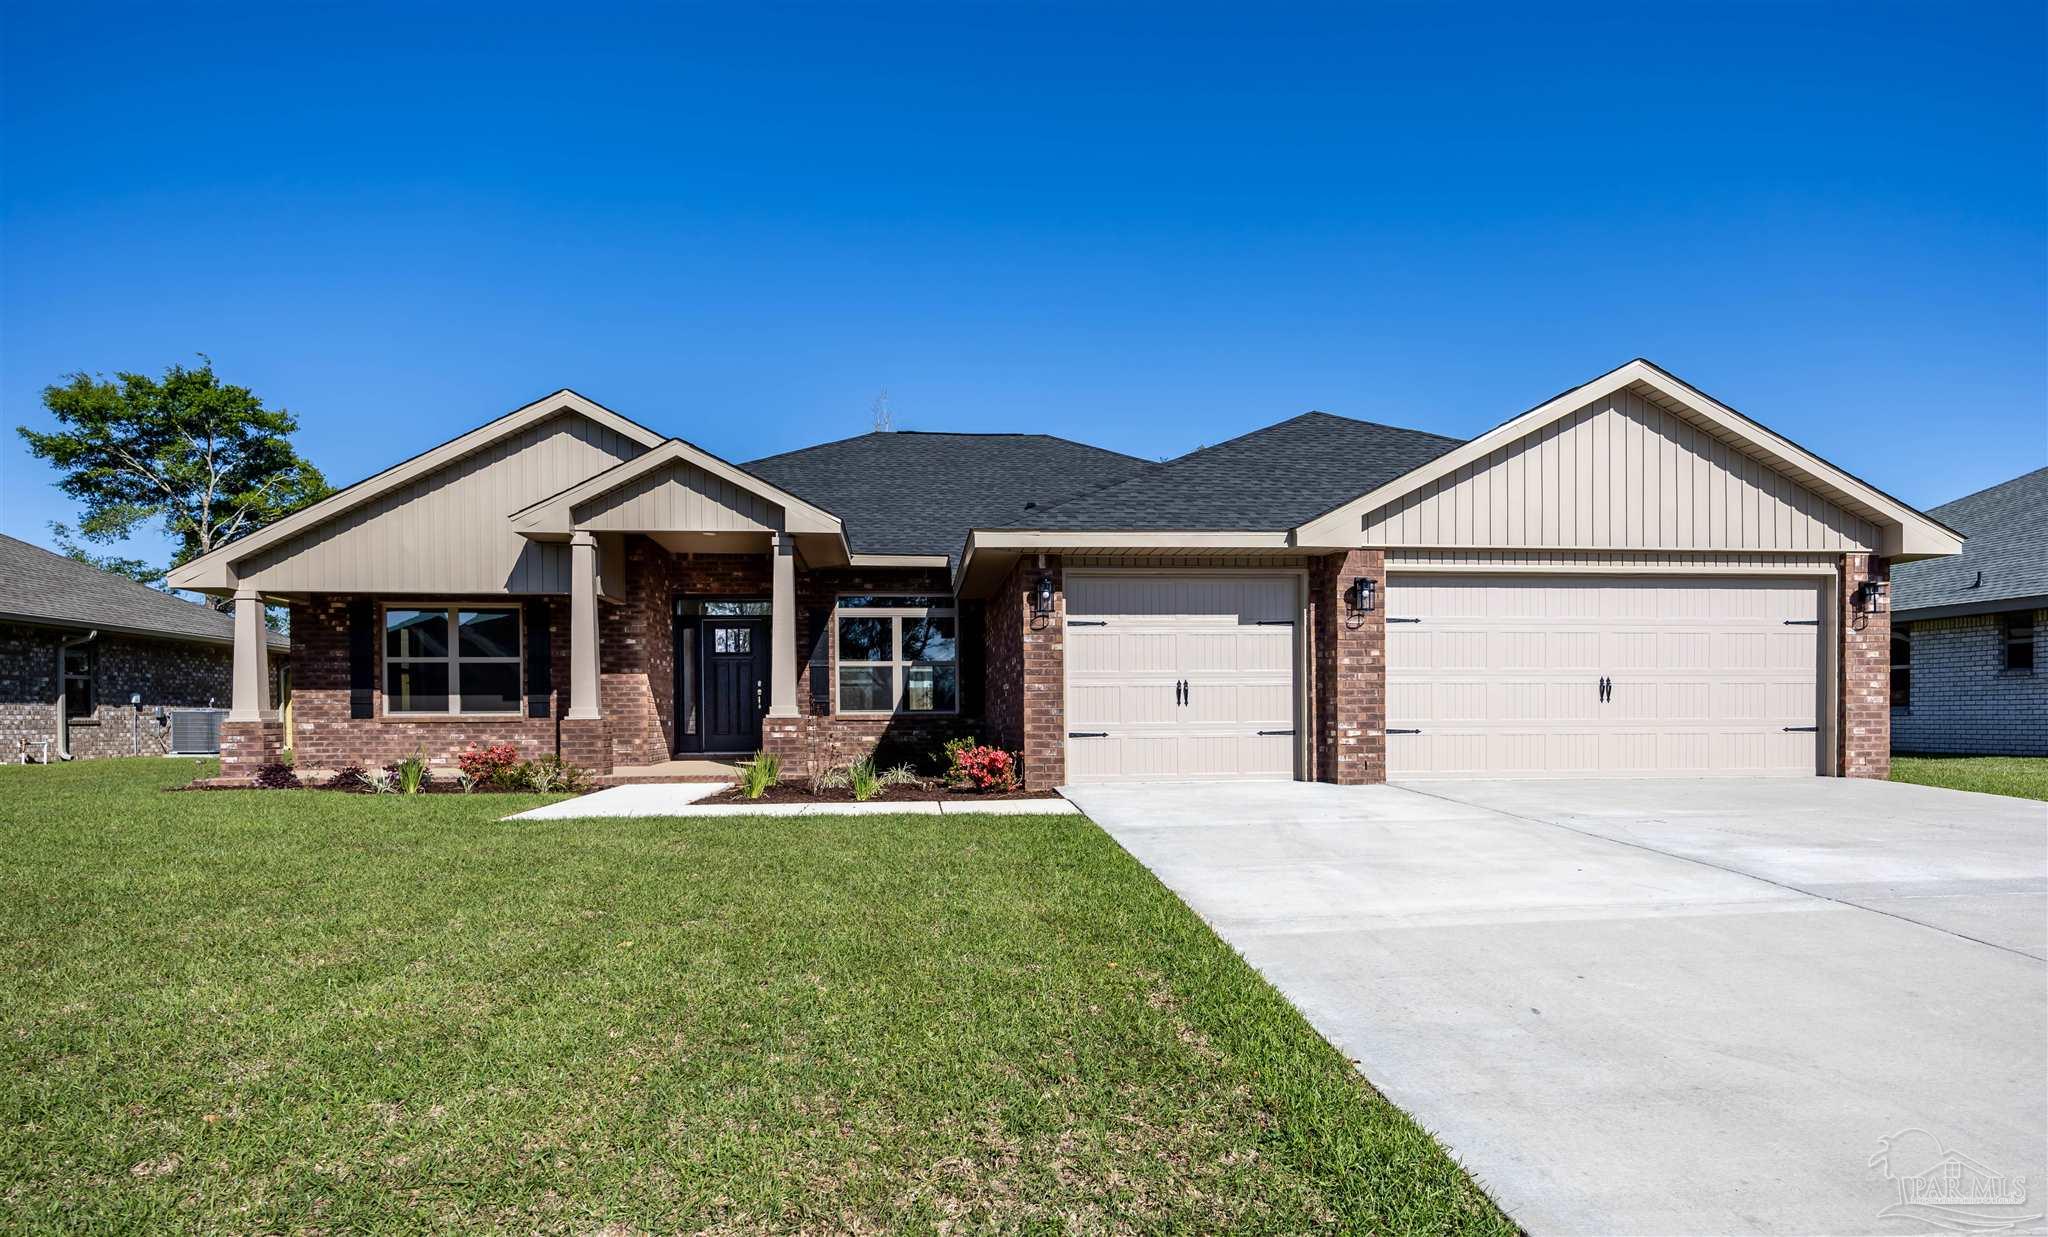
(196, 732)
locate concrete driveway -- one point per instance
(1660, 1006)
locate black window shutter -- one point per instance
(972, 660)
(821, 662)
(362, 659)
(540, 659)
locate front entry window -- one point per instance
(897, 655)
(452, 659)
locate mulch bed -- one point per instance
(799, 791)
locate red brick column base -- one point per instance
(587, 743)
(788, 738)
(246, 747)
(1350, 706)
(1863, 731)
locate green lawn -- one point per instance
(273, 1011)
(2023, 777)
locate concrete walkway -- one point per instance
(1653, 1007)
(681, 799)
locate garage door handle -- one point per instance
(1606, 689)
(1087, 734)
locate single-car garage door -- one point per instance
(1179, 676)
(1553, 676)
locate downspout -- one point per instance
(63, 717)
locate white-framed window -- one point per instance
(452, 659)
(897, 653)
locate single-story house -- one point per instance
(89, 658)
(1630, 578)
(1969, 630)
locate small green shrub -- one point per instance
(865, 781)
(551, 775)
(758, 774)
(834, 778)
(411, 773)
(901, 775)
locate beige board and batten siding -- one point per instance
(1619, 473)
(679, 497)
(446, 532)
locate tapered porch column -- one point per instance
(250, 701)
(782, 630)
(582, 627)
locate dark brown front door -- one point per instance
(735, 659)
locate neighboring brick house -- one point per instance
(78, 646)
(1630, 578)
(1969, 633)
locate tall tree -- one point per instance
(205, 458)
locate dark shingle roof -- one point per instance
(1277, 477)
(38, 586)
(909, 492)
(2006, 556)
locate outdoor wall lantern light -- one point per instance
(1363, 594)
(1041, 596)
(1870, 596)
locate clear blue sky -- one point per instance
(1145, 228)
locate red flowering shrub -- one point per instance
(981, 767)
(487, 764)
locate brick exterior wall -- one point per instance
(1349, 658)
(1963, 699)
(636, 639)
(324, 736)
(1864, 721)
(1027, 673)
(168, 673)
(636, 662)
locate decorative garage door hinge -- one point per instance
(1087, 734)
(1274, 623)
(1402, 620)
(1804, 729)
(1087, 622)
(1396, 730)
(1802, 622)
(1276, 732)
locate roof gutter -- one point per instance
(63, 713)
(1990, 605)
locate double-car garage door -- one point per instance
(1195, 676)
(1563, 676)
